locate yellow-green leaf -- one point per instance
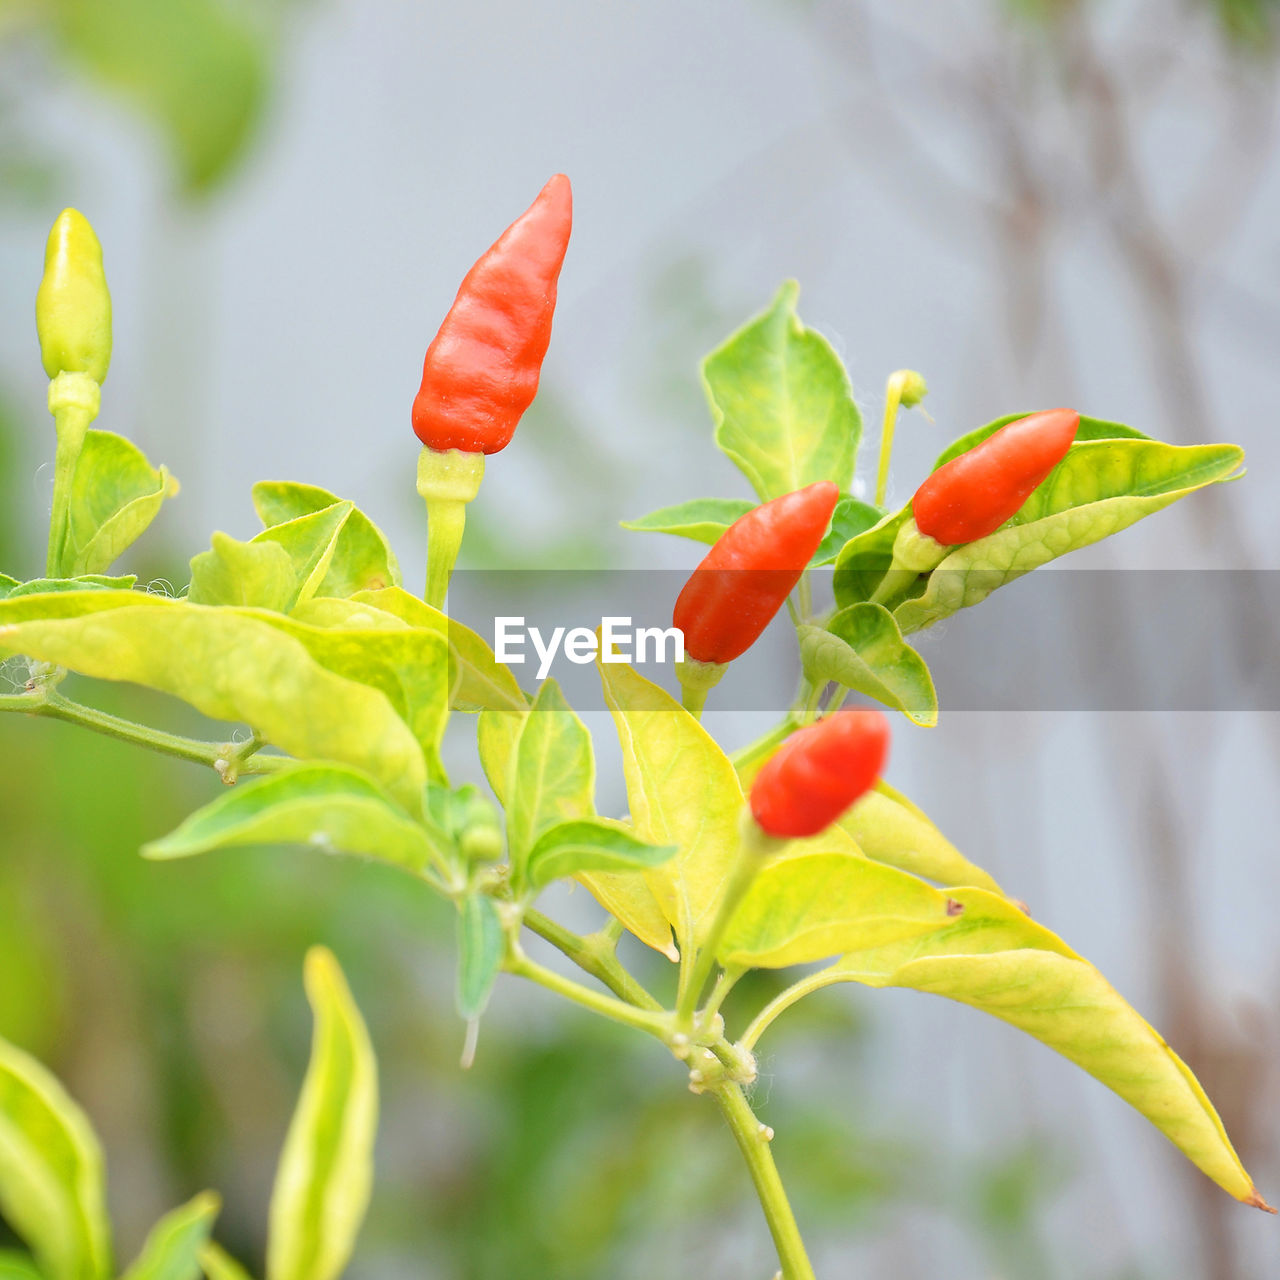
(172, 1249)
(218, 1264)
(481, 946)
(995, 958)
(682, 790)
(809, 906)
(325, 806)
(861, 648)
(552, 772)
(890, 829)
(326, 1168)
(362, 560)
(115, 495)
(51, 1177)
(782, 402)
(409, 665)
(482, 681)
(312, 542)
(228, 664)
(259, 575)
(17, 1266)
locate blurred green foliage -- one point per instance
(197, 70)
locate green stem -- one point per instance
(813, 703)
(657, 1024)
(446, 523)
(763, 747)
(893, 397)
(780, 1004)
(693, 699)
(753, 1140)
(73, 401)
(447, 480)
(598, 961)
(755, 844)
(804, 597)
(49, 703)
(724, 984)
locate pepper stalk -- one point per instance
(447, 481)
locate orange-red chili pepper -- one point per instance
(745, 578)
(481, 369)
(974, 494)
(819, 772)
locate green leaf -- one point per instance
(481, 947)
(683, 791)
(410, 666)
(328, 807)
(553, 773)
(326, 1168)
(782, 402)
(702, 519)
(7, 585)
(363, 559)
(863, 649)
(993, 957)
(482, 681)
(163, 58)
(228, 664)
(590, 844)
(324, 611)
(810, 906)
(862, 561)
(17, 1266)
(889, 828)
(172, 1250)
(311, 542)
(115, 495)
(51, 1177)
(89, 582)
(1089, 429)
(625, 895)
(1099, 488)
(257, 574)
(850, 518)
(218, 1264)
(497, 734)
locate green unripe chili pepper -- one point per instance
(73, 305)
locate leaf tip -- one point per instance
(1254, 1200)
(320, 970)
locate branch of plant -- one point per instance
(593, 954)
(779, 1005)
(753, 1139)
(219, 756)
(655, 1023)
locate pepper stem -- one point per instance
(447, 481)
(914, 553)
(74, 399)
(905, 387)
(697, 679)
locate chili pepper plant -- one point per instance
(790, 853)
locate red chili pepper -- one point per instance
(974, 494)
(481, 370)
(819, 772)
(748, 574)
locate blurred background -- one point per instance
(1033, 202)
